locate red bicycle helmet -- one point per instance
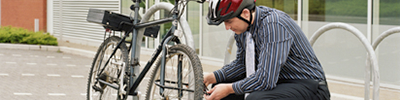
(221, 10)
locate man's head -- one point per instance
(234, 13)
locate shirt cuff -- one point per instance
(219, 76)
(237, 89)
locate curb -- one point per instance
(63, 49)
(80, 52)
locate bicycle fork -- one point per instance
(163, 66)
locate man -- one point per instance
(274, 58)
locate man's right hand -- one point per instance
(209, 79)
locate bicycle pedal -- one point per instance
(96, 88)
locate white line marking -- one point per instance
(66, 57)
(34, 56)
(53, 75)
(52, 64)
(27, 74)
(51, 57)
(16, 55)
(87, 66)
(95, 94)
(22, 93)
(56, 94)
(71, 65)
(83, 94)
(11, 62)
(3, 74)
(77, 76)
(31, 63)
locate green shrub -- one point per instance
(10, 34)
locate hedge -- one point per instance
(9, 34)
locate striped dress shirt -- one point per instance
(282, 52)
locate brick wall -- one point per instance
(22, 13)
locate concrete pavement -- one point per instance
(42, 75)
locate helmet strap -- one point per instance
(247, 21)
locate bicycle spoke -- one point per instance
(104, 81)
(188, 78)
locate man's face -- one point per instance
(236, 25)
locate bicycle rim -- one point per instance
(112, 72)
(191, 76)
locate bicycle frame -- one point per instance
(134, 62)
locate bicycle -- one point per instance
(114, 74)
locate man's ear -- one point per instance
(245, 14)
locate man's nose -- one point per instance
(227, 27)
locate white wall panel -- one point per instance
(69, 20)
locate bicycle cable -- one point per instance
(184, 4)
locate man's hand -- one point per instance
(219, 91)
(209, 79)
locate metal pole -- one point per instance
(369, 21)
(201, 30)
(299, 12)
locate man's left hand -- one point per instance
(219, 91)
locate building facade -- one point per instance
(28, 14)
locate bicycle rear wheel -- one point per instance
(191, 76)
(113, 73)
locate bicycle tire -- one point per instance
(194, 69)
(112, 72)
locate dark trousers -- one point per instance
(289, 90)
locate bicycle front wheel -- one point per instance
(106, 83)
(185, 82)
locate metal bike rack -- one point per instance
(228, 51)
(145, 18)
(384, 35)
(368, 47)
(183, 25)
(381, 37)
